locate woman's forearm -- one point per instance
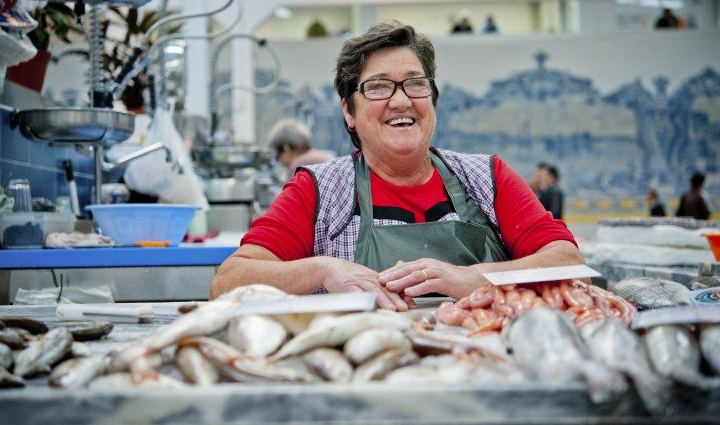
(253, 264)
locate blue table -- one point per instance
(14, 259)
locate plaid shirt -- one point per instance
(336, 228)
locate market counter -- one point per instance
(365, 404)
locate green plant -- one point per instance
(54, 19)
(118, 49)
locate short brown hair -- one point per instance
(356, 51)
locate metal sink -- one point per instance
(99, 126)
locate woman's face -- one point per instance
(399, 125)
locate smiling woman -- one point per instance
(397, 217)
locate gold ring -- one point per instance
(424, 274)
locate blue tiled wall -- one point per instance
(41, 163)
(612, 146)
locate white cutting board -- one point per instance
(318, 303)
(544, 274)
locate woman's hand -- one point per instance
(344, 276)
(427, 275)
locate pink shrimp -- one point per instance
(527, 298)
(513, 300)
(469, 323)
(623, 309)
(450, 314)
(481, 297)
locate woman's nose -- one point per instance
(399, 99)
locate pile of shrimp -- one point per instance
(489, 308)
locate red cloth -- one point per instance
(287, 228)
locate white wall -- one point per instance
(336, 20)
(512, 17)
(472, 63)
(438, 18)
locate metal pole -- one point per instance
(96, 197)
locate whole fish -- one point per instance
(329, 363)
(295, 323)
(124, 380)
(6, 356)
(490, 345)
(256, 336)
(371, 342)
(33, 326)
(652, 292)
(210, 317)
(378, 367)
(675, 354)
(710, 346)
(14, 338)
(492, 371)
(235, 365)
(8, 380)
(88, 330)
(195, 367)
(205, 320)
(78, 372)
(337, 330)
(40, 355)
(80, 349)
(415, 374)
(548, 347)
(704, 282)
(299, 365)
(620, 348)
(254, 292)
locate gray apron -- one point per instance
(470, 240)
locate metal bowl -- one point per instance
(76, 125)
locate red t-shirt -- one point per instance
(287, 228)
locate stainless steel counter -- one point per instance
(327, 403)
(131, 274)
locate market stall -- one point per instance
(510, 402)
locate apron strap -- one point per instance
(452, 185)
(364, 199)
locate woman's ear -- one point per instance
(349, 119)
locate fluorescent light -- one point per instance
(283, 12)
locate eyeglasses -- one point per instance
(380, 89)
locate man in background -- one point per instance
(667, 20)
(655, 207)
(463, 25)
(490, 26)
(291, 141)
(536, 181)
(692, 202)
(550, 195)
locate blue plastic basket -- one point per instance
(131, 223)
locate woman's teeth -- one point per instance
(401, 121)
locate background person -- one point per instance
(291, 141)
(463, 25)
(490, 27)
(692, 202)
(655, 207)
(667, 20)
(397, 217)
(551, 196)
(536, 181)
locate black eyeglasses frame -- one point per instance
(360, 87)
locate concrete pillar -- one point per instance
(363, 17)
(242, 66)
(197, 58)
(597, 16)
